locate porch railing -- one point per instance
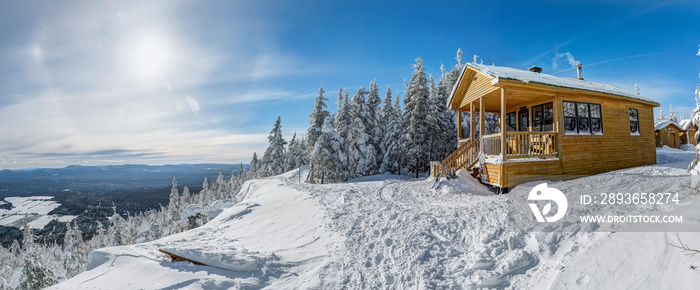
(523, 144)
(531, 144)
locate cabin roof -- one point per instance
(685, 124)
(526, 76)
(658, 125)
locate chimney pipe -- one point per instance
(579, 72)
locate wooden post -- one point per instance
(471, 121)
(459, 125)
(481, 123)
(502, 118)
(558, 122)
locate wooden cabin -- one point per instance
(688, 130)
(554, 127)
(668, 133)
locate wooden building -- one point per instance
(554, 127)
(668, 133)
(688, 130)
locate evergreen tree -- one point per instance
(374, 122)
(272, 162)
(254, 165)
(74, 252)
(416, 121)
(671, 114)
(662, 116)
(35, 274)
(328, 159)
(362, 158)
(316, 119)
(343, 120)
(292, 158)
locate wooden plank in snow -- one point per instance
(176, 258)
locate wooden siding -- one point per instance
(669, 136)
(492, 173)
(688, 137)
(615, 149)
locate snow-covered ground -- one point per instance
(389, 231)
(33, 209)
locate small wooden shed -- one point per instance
(688, 130)
(668, 133)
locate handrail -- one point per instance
(464, 157)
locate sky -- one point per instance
(169, 82)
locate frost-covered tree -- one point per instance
(694, 167)
(374, 122)
(671, 114)
(662, 116)
(328, 159)
(316, 119)
(416, 121)
(35, 274)
(254, 165)
(118, 232)
(99, 240)
(272, 162)
(362, 159)
(391, 141)
(295, 153)
(343, 119)
(74, 252)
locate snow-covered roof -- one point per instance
(685, 124)
(527, 76)
(658, 125)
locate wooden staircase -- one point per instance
(466, 156)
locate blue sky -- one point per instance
(156, 82)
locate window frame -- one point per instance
(577, 118)
(629, 110)
(512, 116)
(542, 110)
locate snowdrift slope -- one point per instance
(391, 232)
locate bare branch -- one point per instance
(684, 248)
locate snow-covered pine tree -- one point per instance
(343, 120)
(387, 113)
(391, 141)
(99, 239)
(374, 122)
(328, 159)
(662, 116)
(272, 162)
(318, 115)
(74, 252)
(362, 155)
(254, 166)
(694, 167)
(671, 114)
(117, 232)
(291, 159)
(35, 274)
(416, 123)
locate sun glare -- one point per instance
(149, 57)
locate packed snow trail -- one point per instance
(393, 232)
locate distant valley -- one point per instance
(86, 194)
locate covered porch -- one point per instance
(528, 128)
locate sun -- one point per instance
(148, 57)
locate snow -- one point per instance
(545, 79)
(388, 231)
(33, 209)
(685, 124)
(658, 125)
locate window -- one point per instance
(523, 119)
(543, 117)
(582, 118)
(634, 121)
(511, 122)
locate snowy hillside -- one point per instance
(387, 231)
